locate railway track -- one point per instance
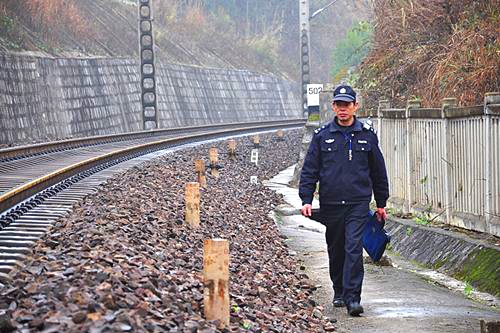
(38, 185)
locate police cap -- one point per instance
(344, 93)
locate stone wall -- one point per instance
(45, 99)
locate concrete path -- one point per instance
(395, 299)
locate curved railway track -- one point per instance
(40, 183)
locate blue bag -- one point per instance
(375, 238)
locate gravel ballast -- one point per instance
(125, 261)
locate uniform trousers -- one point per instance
(344, 233)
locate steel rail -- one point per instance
(17, 195)
(11, 153)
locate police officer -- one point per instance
(345, 158)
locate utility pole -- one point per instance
(148, 80)
(248, 25)
(305, 46)
(304, 51)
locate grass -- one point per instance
(422, 219)
(313, 117)
(481, 270)
(6, 23)
(468, 289)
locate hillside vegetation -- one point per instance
(433, 49)
(260, 35)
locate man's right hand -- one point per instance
(306, 210)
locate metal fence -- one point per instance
(444, 163)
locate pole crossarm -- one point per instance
(321, 10)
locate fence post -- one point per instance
(489, 98)
(445, 142)
(411, 104)
(382, 105)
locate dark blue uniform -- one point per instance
(349, 166)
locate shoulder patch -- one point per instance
(368, 126)
(319, 129)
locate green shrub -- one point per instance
(351, 50)
(6, 23)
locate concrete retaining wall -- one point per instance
(473, 260)
(45, 99)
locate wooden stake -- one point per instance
(214, 158)
(231, 148)
(200, 172)
(216, 280)
(256, 140)
(192, 201)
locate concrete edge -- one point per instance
(472, 262)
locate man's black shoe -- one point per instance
(338, 302)
(354, 309)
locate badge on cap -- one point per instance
(342, 91)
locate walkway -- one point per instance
(394, 299)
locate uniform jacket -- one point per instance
(344, 180)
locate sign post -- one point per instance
(313, 91)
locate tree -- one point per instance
(351, 50)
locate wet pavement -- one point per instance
(395, 297)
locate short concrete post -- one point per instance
(256, 140)
(213, 156)
(445, 146)
(216, 280)
(192, 201)
(489, 326)
(412, 104)
(490, 99)
(280, 134)
(231, 148)
(200, 172)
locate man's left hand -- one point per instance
(381, 214)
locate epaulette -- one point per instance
(368, 125)
(319, 129)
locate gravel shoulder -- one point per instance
(124, 260)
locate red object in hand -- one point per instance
(306, 210)
(381, 214)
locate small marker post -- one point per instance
(256, 140)
(192, 202)
(280, 134)
(200, 172)
(216, 280)
(231, 148)
(214, 158)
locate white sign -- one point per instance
(254, 158)
(313, 91)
